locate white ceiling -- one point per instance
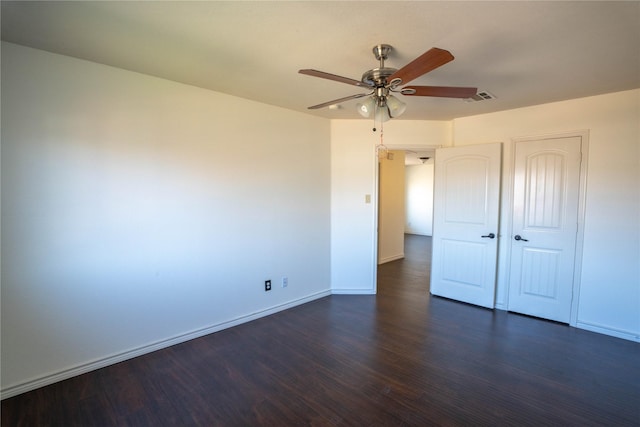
(525, 53)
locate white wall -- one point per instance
(353, 222)
(138, 212)
(391, 215)
(353, 175)
(609, 299)
(419, 199)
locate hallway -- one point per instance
(408, 276)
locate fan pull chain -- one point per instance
(381, 148)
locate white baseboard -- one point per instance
(417, 233)
(139, 351)
(353, 292)
(390, 258)
(606, 330)
(593, 327)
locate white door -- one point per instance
(465, 223)
(545, 225)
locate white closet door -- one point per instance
(545, 226)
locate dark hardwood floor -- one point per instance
(398, 358)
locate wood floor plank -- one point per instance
(399, 358)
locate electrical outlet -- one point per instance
(267, 285)
(285, 282)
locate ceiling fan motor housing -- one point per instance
(377, 76)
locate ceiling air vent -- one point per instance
(482, 95)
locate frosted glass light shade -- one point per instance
(382, 114)
(396, 107)
(367, 107)
(381, 109)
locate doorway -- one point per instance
(405, 210)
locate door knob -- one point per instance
(518, 237)
(490, 235)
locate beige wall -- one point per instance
(391, 207)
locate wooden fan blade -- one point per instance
(428, 61)
(337, 101)
(335, 78)
(441, 91)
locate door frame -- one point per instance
(582, 191)
(376, 218)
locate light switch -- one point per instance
(367, 198)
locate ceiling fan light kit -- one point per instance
(380, 103)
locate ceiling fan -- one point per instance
(383, 81)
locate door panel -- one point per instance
(465, 194)
(545, 225)
(466, 210)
